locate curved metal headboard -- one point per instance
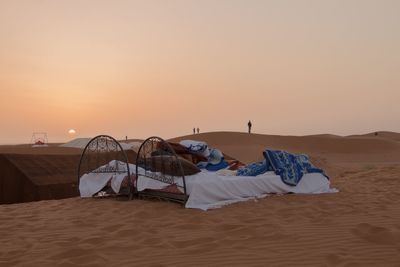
(101, 150)
(157, 168)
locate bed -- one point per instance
(156, 171)
(104, 169)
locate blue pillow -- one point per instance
(215, 161)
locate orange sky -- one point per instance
(141, 68)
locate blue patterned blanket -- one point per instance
(290, 167)
(253, 169)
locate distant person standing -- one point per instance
(198, 130)
(194, 130)
(249, 125)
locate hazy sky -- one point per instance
(141, 68)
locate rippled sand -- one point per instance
(359, 226)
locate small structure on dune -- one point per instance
(33, 177)
(39, 140)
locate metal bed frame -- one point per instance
(155, 159)
(104, 154)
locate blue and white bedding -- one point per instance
(215, 158)
(253, 169)
(290, 167)
(196, 147)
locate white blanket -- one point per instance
(208, 190)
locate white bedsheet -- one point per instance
(91, 183)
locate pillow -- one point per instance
(169, 165)
(181, 151)
(214, 162)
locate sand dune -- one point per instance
(301, 144)
(359, 226)
(328, 151)
(381, 134)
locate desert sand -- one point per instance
(359, 226)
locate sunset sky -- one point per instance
(141, 68)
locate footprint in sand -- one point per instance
(376, 234)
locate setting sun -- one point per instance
(72, 132)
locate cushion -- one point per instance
(215, 161)
(169, 165)
(184, 152)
